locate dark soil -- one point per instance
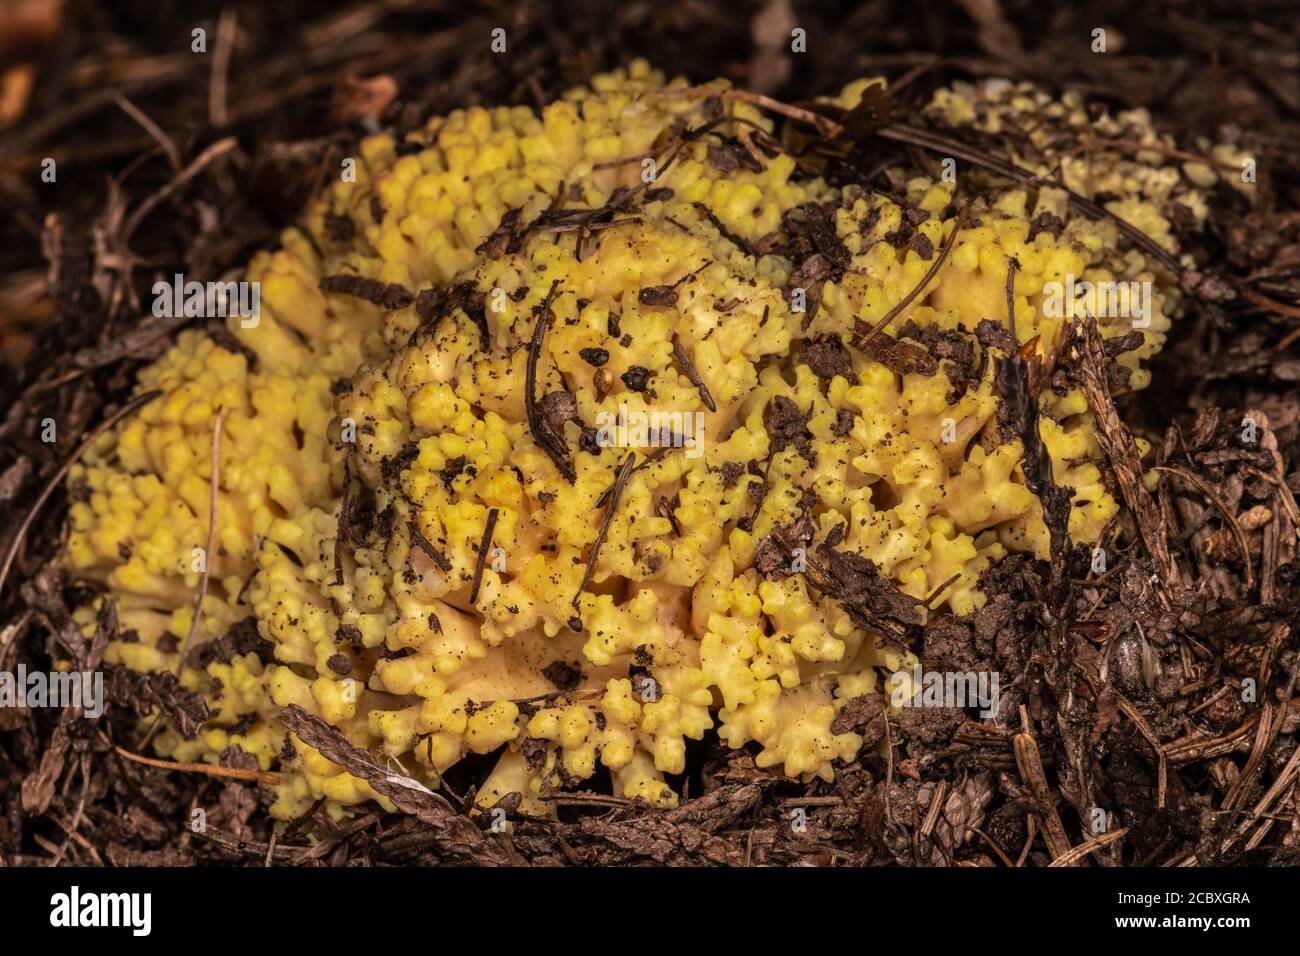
(1128, 733)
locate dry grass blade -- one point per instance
(214, 479)
(863, 337)
(200, 163)
(152, 128)
(1073, 856)
(230, 773)
(214, 482)
(824, 125)
(226, 25)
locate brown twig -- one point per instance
(1030, 764)
(693, 376)
(620, 483)
(481, 562)
(234, 773)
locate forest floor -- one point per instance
(1130, 682)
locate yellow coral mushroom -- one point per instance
(558, 449)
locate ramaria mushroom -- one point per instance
(418, 582)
